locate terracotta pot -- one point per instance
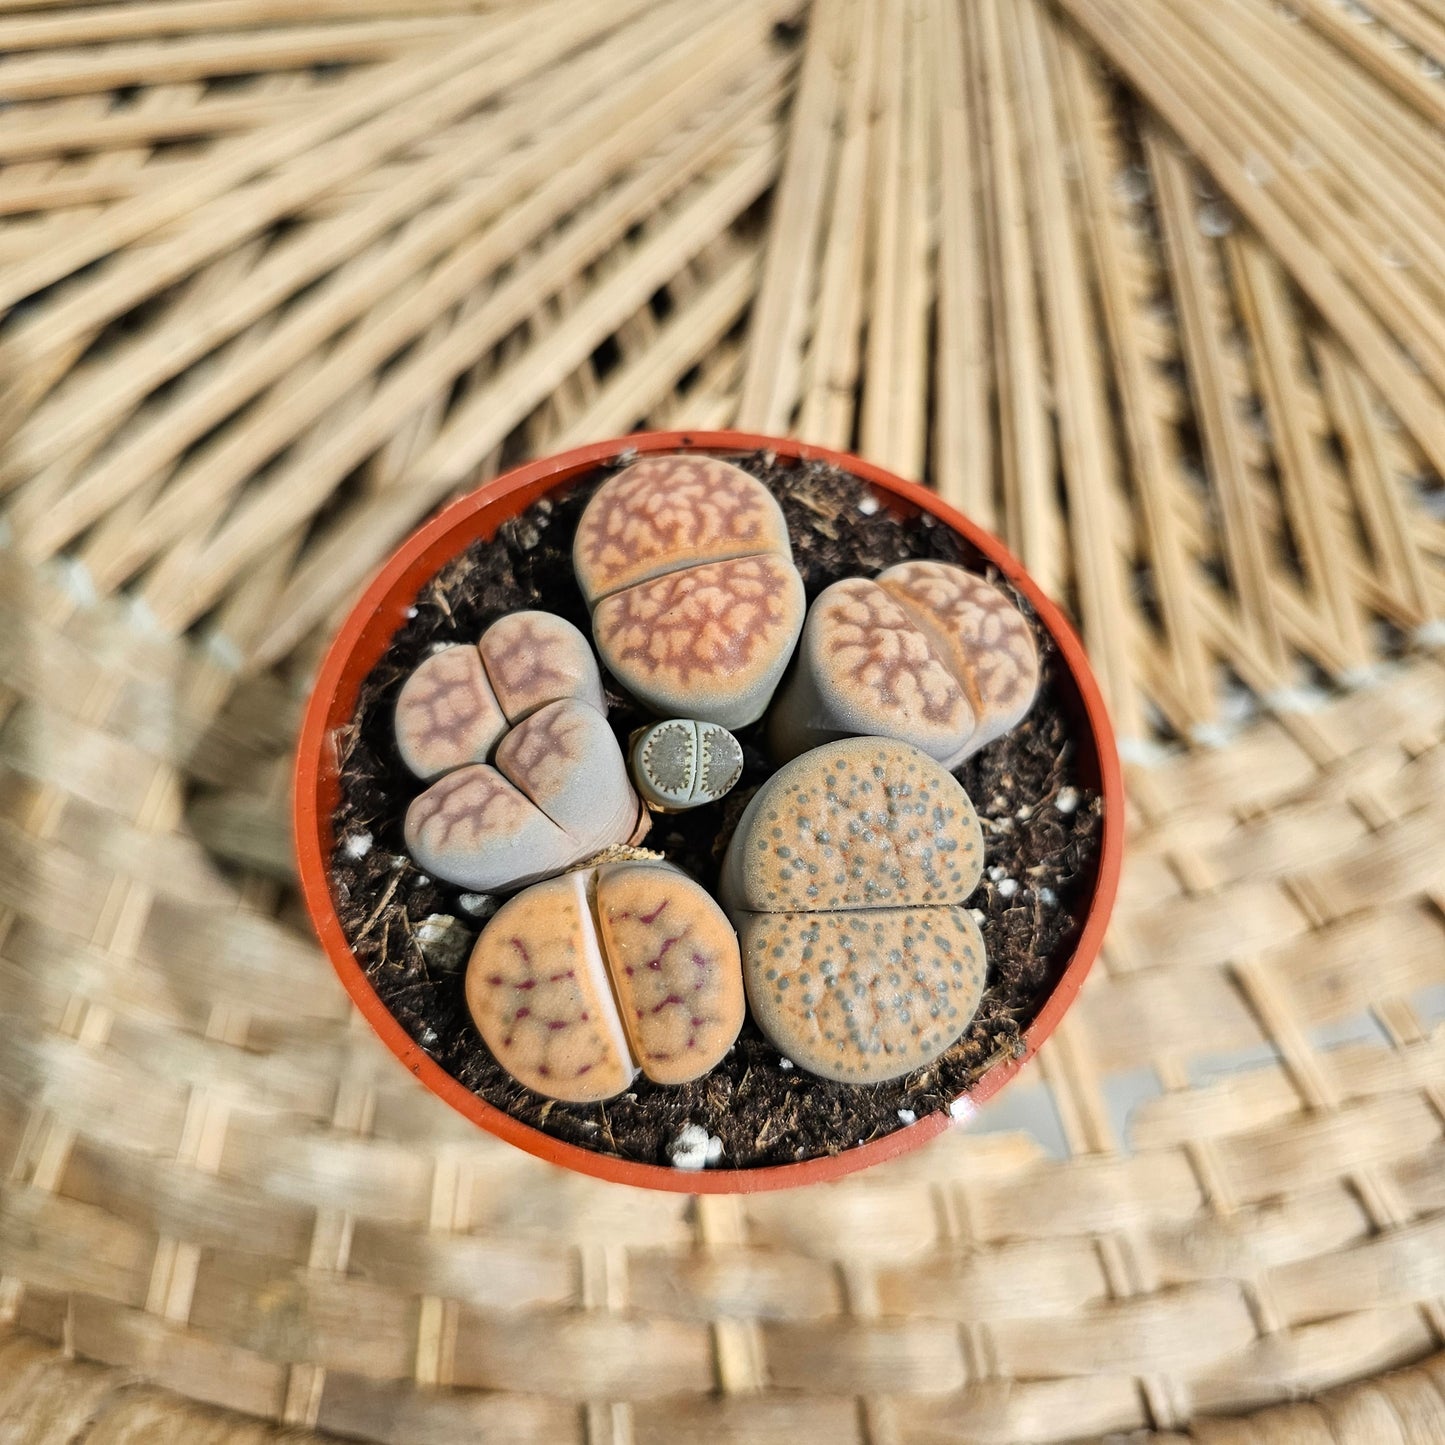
(381, 611)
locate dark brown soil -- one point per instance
(1041, 826)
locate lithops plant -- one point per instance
(696, 605)
(683, 763)
(847, 878)
(529, 697)
(926, 652)
(581, 981)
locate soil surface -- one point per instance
(413, 934)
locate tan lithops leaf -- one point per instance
(579, 981)
(683, 763)
(859, 823)
(533, 658)
(865, 668)
(867, 995)
(665, 513)
(538, 991)
(675, 965)
(474, 828)
(982, 638)
(446, 715)
(696, 605)
(846, 877)
(565, 758)
(711, 641)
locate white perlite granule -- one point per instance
(694, 1148)
(1067, 801)
(358, 845)
(907, 1116)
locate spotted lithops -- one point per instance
(581, 981)
(696, 605)
(927, 653)
(556, 790)
(683, 763)
(846, 879)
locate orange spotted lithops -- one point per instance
(696, 604)
(556, 790)
(847, 878)
(926, 652)
(579, 982)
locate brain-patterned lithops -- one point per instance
(847, 878)
(927, 653)
(683, 763)
(528, 696)
(696, 605)
(579, 982)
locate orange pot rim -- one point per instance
(368, 630)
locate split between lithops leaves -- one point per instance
(456, 705)
(927, 653)
(696, 604)
(530, 696)
(581, 981)
(683, 763)
(847, 878)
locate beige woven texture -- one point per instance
(1156, 289)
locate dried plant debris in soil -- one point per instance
(1041, 829)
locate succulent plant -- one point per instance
(696, 605)
(927, 653)
(529, 696)
(579, 982)
(683, 763)
(847, 878)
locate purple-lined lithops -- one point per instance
(696, 605)
(558, 793)
(926, 652)
(847, 878)
(683, 763)
(529, 696)
(580, 982)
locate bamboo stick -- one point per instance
(831, 371)
(771, 383)
(963, 426)
(1027, 456)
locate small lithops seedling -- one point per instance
(682, 763)
(529, 696)
(580, 982)
(696, 605)
(847, 878)
(927, 653)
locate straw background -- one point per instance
(1156, 290)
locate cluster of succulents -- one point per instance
(842, 923)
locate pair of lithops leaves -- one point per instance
(926, 652)
(846, 879)
(529, 777)
(580, 982)
(687, 568)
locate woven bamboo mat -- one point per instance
(1155, 290)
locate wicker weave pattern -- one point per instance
(282, 277)
(220, 1180)
(421, 243)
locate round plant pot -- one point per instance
(365, 636)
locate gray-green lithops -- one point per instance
(846, 879)
(682, 763)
